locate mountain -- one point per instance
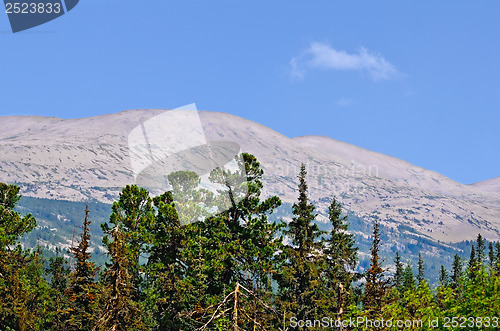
(90, 159)
(490, 185)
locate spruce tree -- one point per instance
(443, 276)
(421, 270)
(82, 288)
(457, 271)
(472, 266)
(491, 256)
(21, 284)
(398, 275)
(480, 250)
(376, 285)
(58, 271)
(12, 225)
(194, 265)
(249, 242)
(300, 285)
(341, 259)
(121, 311)
(166, 267)
(134, 213)
(302, 230)
(408, 278)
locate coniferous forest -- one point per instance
(235, 270)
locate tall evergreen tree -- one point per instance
(421, 270)
(300, 286)
(457, 271)
(166, 266)
(121, 310)
(408, 278)
(302, 229)
(82, 288)
(195, 264)
(58, 271)
(248, 241)
(491, 256)
(443, 276)
(22, 287)
(473, 263)
(481, 247)
(12, 225)
(398, 274)
(341, 259)
(134, 213)
(376, 285)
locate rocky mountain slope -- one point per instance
(90, 158)
(490, 185)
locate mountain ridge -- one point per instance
(82, 159)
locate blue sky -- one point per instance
(419, 81)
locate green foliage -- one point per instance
(23, 290)
(196, 264)
(121, 309)
(376, 286)
(301, 288)
(443, 276)
(341, 258)
(421, 269)
(12, 225)
(231, 270)
(82, 288)
(133, 215)
(398, 275)
(457, 272)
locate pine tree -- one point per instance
(491, 256)
(443, 276)
(300, 285)
(341, 259)
(302, 229)
(194, 266)
(250, 242)
(421, 270)
(165, 267)
(120, 312)
(376, 286)
(12, 225)
(457, 271)
(23, 291)
(472, 266)
(134, 213)
(398, 275)
(480, 250)
(58, 271)
(82, 288)
(408, 278)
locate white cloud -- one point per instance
(344, 102)
(323, 56)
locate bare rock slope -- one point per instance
(79, 159)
